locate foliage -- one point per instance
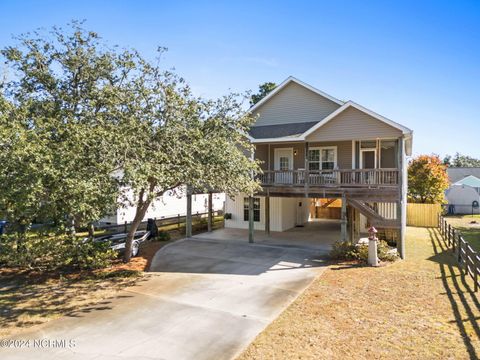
(263, 90)
(227, 216)
(427, 179)
(163, 236)
(59, 115)
(54, 252)
(82, 124)
(344, 250)
(177, 140)
(460, 160)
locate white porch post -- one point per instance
(188, 217)
(343, 228)
(250, 219)
(267, 213)
(210, 211)
(402, 203)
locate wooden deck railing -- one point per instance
(330, 178)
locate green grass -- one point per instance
(469, 231)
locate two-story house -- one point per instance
(316, 150)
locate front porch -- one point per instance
(318, 235)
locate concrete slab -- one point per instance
(205, 299)
(318, 235)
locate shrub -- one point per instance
(163, 236)
(344, 250)
(227, 216)
(54, 252)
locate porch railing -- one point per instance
(330, 178)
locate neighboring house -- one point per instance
(463, 195)
(172, 203)
(316, 149)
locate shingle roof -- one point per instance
(458, 173)
(273, 131)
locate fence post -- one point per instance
(125, 227)
(453, 239)
(178, 221)
(465, 265)
(475, 272)
(449, 234)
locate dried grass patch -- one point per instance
(420, 308)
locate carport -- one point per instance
(318, 235)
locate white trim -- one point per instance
(345, 106)
(361, 156)
(406, 131)
(320, 148)
(299, 82)
(275, 157)
(353, 154)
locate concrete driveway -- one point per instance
(205, 299)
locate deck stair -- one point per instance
(374, 218)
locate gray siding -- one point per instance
(344, 153)
(354, 124)
(294, 103)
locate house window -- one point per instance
(322, 158)
(256, 209)
(284, 163)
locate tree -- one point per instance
(57, 155)
(175, 140)
(427, 179)
(263, 90)
(460, 160)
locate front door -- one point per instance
(368, 160)
(283, 166)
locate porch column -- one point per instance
(250, 219)
(210, 211)
(343, 226)
(402, 203)
(307, 169)
(267, 214)
(188, 217)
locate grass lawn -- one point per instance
(420, 308)
(469, 229)
(32, 298)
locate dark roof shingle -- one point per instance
(274, 131)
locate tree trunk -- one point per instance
(139, 215)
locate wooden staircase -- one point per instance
(374, 218)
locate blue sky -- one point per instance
(416, 62)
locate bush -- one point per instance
(344, 250)
(227, 216)
(54, 252)
(163, 236)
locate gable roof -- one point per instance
(301, 130)
(289, 80)
(458, 173)
(470, 180)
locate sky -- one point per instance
(415, 62)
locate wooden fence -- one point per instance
(467, 258)
(174, 222)
(424, 215)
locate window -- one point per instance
(256, 209)
(388, 154)
(322, 158)
(284, 163)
